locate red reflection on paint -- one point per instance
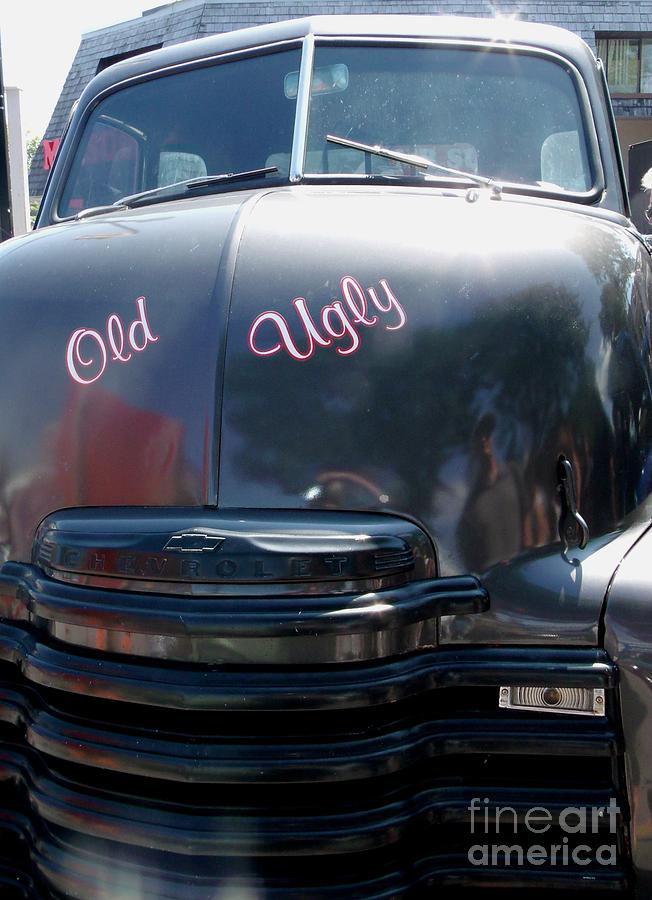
(112, 453)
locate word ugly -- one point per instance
(340, 320)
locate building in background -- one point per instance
(620, 31)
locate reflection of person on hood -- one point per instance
(491, 525)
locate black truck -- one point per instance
(325, 474)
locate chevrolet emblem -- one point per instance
(193, 542)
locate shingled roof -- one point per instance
(189, 19)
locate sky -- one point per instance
(39, 40)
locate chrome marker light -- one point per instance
(569, 700)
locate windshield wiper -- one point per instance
(192, 184)
(167, 191)
(419, 162)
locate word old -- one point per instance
(88, 352)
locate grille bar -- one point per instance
(255, 758)
(94, 872)
(242, 616)
(260, 831)
(301, 629)
(50, 663)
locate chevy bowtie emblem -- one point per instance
(193, 542)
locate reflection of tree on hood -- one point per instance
(410, 412)
(625, 324)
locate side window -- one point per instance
(107, 170)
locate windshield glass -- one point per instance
(211, 120)
(509, 116)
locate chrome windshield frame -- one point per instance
(300, 137)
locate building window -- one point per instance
(628, 61)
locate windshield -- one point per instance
(211, 120)
(512, 117)
(508, 116)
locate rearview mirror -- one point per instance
(325, 80)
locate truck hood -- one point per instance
(431, 356)
(337, 348)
